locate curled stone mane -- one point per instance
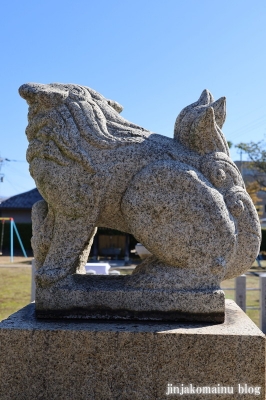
(77, 119)
(98, 119)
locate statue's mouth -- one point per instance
(39, 137)
(47, 150)
(38, 125)
(42, 137)
(34, 150)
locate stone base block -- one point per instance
(113, 297)
(72, 359)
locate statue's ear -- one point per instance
(198, 125)
(116, 106)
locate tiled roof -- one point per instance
(23, 200)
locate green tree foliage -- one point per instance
(257, 155)
(230, 144)
(255, 181)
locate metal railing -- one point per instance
(240, 296)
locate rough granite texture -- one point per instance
(78, 360)
(111, 297)
(182, 198)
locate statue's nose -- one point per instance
(47, 95)
(29, 90)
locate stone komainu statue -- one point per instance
(182, 198)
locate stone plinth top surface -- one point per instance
(236, 323)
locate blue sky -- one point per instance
(153, 57)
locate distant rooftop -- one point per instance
(23, 200)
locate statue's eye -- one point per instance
(220, 175)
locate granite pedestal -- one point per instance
(113, 297)
(77, 359)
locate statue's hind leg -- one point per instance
(183, 221)
(69, 250)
